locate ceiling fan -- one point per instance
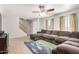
(43, 9)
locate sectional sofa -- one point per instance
(67, 42)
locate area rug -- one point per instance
(40, 47)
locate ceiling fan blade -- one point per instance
(35, 11)
(49, 10)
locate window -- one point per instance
(67, 23)
(49, 24)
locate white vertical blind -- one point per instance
(49, 24)
(67, 23)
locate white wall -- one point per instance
(10, 24)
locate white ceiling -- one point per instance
(25, 10)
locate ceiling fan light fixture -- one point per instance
(43, 14)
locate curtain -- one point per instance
(73, 22)
(49, 24)
(46, 23)
(62, 23)
(52, 24)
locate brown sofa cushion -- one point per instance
(64, 33)
(66, 48)
(43, 31)
(49, 32)
(76, 44)
(49, 36)
(55, 32)
(74, 40)
(61, 39)
(75, 35)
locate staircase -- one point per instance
(23, 26)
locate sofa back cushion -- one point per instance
(75, 35)
(64, 33)
(43, 31)
(49, 32)
(55, 32)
